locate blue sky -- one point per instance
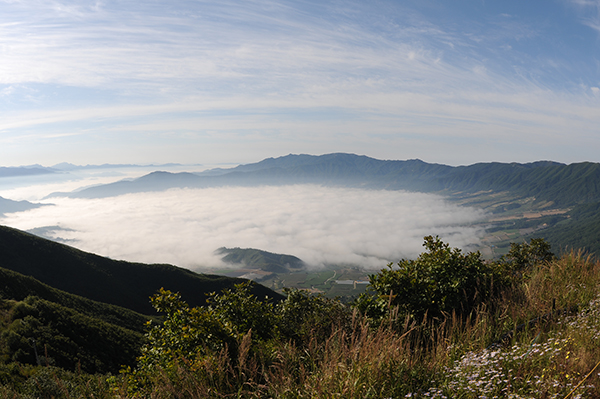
(454, 82)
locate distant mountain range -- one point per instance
(65, 166)
(21, 171)
(8, 206)
(573, 188)
(544, 185)
(561, 184)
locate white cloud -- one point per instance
(318, 224)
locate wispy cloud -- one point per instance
(590, 12)
(385, 69)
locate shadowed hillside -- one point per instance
(102, 279)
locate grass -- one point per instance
(539, 339)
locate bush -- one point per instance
(524, 256)
(440, 281)
(302, 314)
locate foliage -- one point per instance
(49, 382)
(240, 311)
(524, 256)
(316, 348)
(234, 325)
(302, 315)
(440, 281)
(185, 331)
(45, 333)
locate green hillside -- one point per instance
(38, 331)
(263, 260)
(102, 279)
(580, 230)
(18, 287)
(40, 324)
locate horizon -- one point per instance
(236, 82)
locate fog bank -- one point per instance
(320, 225)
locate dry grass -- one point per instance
(438, 358)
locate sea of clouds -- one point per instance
(320, 225)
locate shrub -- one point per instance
(441, 280)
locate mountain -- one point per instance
(65, 166)
(121, 283)
(8, 206)
(542, 185)
(18, 287)
(25, 171)
(546, 181)
(262, 260)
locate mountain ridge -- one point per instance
(550, 181)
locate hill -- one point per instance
(262, 260)
(102, 279)
(39, 323)
(25, 171)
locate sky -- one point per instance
(210, 82)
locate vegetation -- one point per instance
(580, 230)
(42, 325)
(438, 282)
(45, 333)
(448, 325)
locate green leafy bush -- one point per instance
(441, 280)
(523, 256)
(240, 311)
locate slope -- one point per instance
(102, 279)
(39, 323)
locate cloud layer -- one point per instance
(318, 224)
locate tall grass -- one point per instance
(539, 338)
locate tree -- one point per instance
(523, 256)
